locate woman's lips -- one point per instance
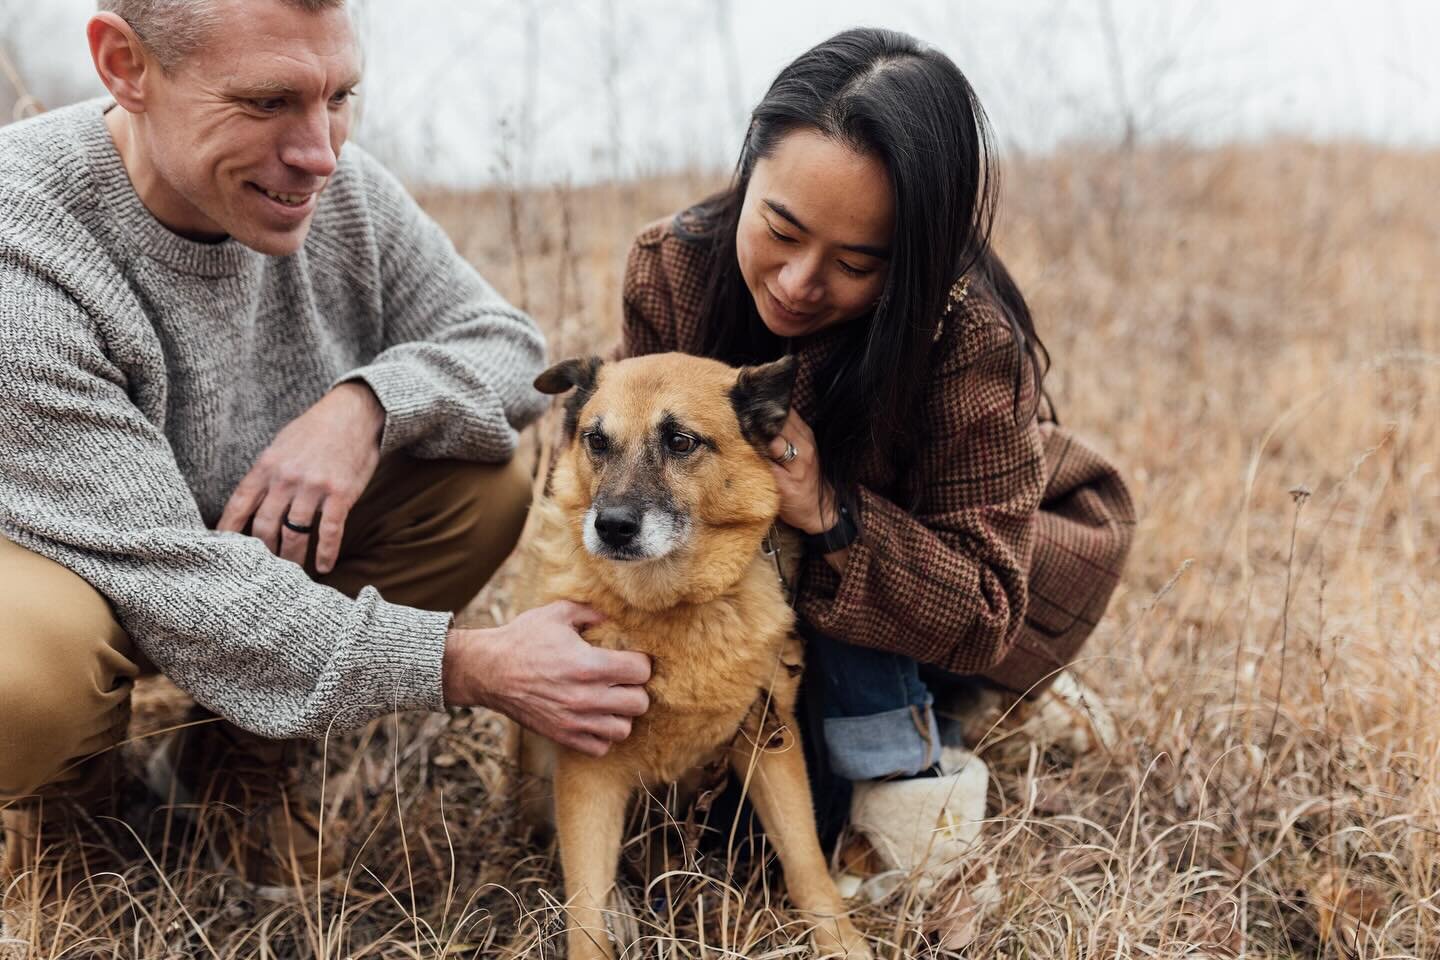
(786, 313)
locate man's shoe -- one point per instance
(241, 791)
(57, 843)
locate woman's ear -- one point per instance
(761, 398)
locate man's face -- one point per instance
(244, 133)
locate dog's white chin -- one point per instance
(661, 534)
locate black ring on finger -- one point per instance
(297, 527)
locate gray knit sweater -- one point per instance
(141, 374)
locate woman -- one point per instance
(936, 507)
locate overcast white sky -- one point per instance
(470, 91)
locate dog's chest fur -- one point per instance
(714, 664)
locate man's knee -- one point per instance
(496, 506)
(431, 533)
(491, 503)
(65, 667)
(32, 740)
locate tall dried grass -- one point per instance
(1254, 333)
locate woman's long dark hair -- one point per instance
(884, 94)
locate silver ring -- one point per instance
(790, 453)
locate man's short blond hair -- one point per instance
(173, 29)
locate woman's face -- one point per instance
(814, 234)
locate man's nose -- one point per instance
(310, 146)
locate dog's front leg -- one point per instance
(590, 800)
(780, 790)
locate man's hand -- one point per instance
(316, 468)
(538, 671)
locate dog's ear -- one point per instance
(761, 398)
(577, 373)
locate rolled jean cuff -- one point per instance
(899, 742)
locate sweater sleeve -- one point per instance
(946, 584)
(91, 483)
(456, 370)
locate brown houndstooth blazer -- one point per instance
(1019, 531)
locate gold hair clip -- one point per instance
(958, 290)
(953, 299)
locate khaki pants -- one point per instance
(426, 533)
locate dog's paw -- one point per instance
(838, 938)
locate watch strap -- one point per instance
(845, 532)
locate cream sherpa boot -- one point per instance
(920, 828)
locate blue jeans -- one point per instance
(877, 712)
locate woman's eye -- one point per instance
(597, 442)
(853, 271)
(778, 235)
(681, 443)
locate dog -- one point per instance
(659, 504)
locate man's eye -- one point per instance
(597, 442)
(268, 104)
(681, 443)
(340, 97)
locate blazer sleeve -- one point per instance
(946, 584)
(648, 322)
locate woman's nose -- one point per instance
(800, 281)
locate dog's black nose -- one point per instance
(617, 526)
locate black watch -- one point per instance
(845, 532)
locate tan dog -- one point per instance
(661, 499)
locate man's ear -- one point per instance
(761, 398)
(577, 373)
(120, 59)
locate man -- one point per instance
(245, 382)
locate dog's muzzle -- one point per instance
(632, 532)
(617, 527)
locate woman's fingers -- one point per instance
(777, 449)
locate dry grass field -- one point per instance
(1254, 334)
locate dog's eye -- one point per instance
(681, 443)
(597, 442)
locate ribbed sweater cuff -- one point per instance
(406, 653)
(408, 404)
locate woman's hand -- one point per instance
(806, 501)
